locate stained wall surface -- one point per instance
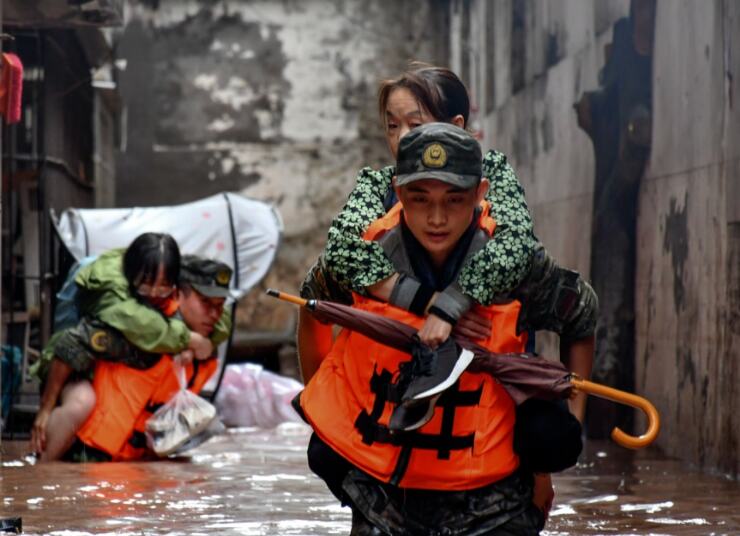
(276, 100)
(527, 63)
(688, 274)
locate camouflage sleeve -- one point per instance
(320, 285)
(503, 263)
(556, 299)
(356, 263)
(91, 339)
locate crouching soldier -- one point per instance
(130, 384)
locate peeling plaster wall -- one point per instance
(688, 274)
(529, 75)
(272, 99)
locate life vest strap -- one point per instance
(445, 442)
(372, 432)
(137, 440)
(384, 389)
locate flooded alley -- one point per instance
(440, 192)
(256, 482)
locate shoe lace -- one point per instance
(423, 360)
(422, 363)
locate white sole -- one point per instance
(465, 358)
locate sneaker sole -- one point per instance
(466, 357)
(426, 418)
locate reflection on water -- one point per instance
(252, 482)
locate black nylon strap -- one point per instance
(377, 433)
(151, 408)
(453, 397)
(137, 440)
(434, 310)
(421, 300)
(381, 384)
(448, 420)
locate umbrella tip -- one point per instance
(273, 292)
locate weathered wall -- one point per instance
(274, 99)
(688, 273)
(531, 62)
(527, 65)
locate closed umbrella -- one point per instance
(523, 376)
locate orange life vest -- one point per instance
(469, 441)
(125, 399)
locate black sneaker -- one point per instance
(412, 414)
(434, 370)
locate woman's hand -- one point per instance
(38, 432)
(201, 346)
(435, 331)
(185, 357)
(473, 326)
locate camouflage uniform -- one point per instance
(556, 299)
(125, 339)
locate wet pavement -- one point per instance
(256, 482)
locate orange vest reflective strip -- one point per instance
(123, 396)
(469, 441)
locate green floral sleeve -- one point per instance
(505, 261)
(498, 268)
(355, 263)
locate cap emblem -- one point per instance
(434, 156)
(222, 277)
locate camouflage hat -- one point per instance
(210, 278)
(439, 151)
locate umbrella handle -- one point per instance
(291, 298)
(629, 399)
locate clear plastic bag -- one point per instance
(185, 416)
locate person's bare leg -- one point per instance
(78, 401)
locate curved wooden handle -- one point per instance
(622, 397)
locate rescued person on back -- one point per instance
(130, 290)
(132, 386)
(416, 467)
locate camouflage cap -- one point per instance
(209, 277)
(439, 151)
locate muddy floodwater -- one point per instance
(255, 482)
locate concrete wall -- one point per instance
(688, 274)
(526, 66)
(273, 99)
(528, 76)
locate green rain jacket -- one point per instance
(104, 295)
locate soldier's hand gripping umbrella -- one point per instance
(523, 376)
